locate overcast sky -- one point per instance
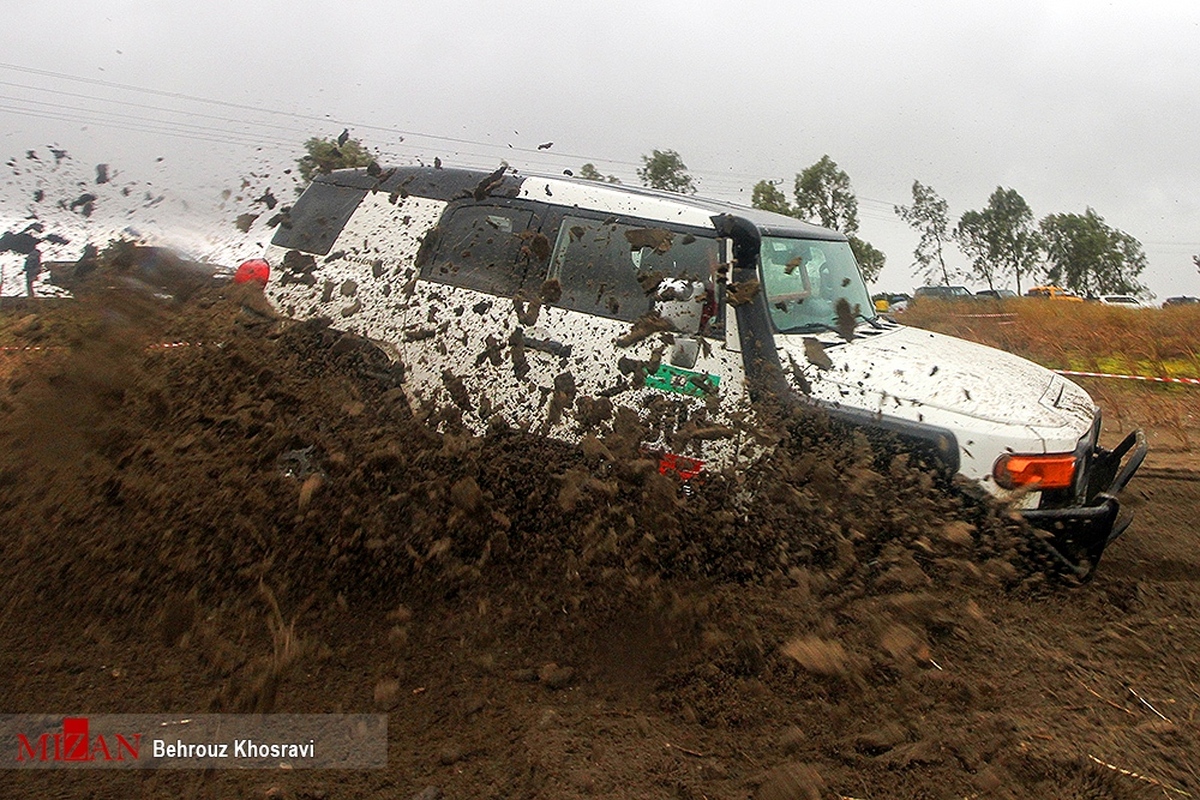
(1073, 104)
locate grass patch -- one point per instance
(1088, 337)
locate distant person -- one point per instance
(33, 268)
(26, 244)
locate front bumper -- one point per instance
(1079, 533)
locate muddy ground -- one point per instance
(253, 522)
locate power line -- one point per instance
(558, 155)
(724, 182)
(267, 110)
(184, 129)
(127, 103)
(112, 124)
(73, 114)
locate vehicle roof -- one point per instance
(452, 183)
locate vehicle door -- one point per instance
(632, 335)
(474, 271)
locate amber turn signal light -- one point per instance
(1035, 472)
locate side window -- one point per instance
(485, 248)
(613, 269)
(315, 222)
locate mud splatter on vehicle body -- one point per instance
(534, 302)
(539, 312)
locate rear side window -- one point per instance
(486, 248)
(318, 217)
(608, 268)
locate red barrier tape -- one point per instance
(1186, 381)
(172, 345)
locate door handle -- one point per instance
(551, 346)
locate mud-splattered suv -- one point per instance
(566, 307)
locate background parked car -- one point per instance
(1182, 300)
(942, 293)
(1053, 293)
(996, 294)
(890, 303)
(1119, 300)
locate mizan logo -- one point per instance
(74, 744)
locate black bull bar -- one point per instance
(1079, 534)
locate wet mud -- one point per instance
(185, 480)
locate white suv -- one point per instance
(566, 307)
(1119, 300)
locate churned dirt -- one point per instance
(252, 521)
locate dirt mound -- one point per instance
(242, 514)
(288, 450)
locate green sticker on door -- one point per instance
(683, 381)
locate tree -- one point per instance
(666, 170)
(767, 197)
(325, 155)
(1001, 240)
(823, 195)
(1088, 257)
(929, 215)
(870, 258)
(975, 238)
(589, 173)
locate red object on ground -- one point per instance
(255, 270)
(686, 468)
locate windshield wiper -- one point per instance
(875, 323)
(812, 327)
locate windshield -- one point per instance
(804, 279)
